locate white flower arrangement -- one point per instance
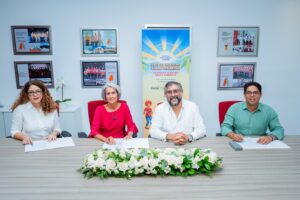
(127, 163)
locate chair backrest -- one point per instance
(92, 105)
(223, 107)
(57, 108)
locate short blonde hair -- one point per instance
(112, 85)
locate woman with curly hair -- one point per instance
(34, 114)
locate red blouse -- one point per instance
(113, 123)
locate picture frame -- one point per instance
(30, 70)
(31, 40)
(238, 41)
(235, 75)
(95, 74)
(99, 42)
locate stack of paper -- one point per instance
(44, 144)
(133, 143)
(251, 143)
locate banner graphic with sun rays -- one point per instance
(165, 57)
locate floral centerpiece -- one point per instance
(61, 85)
(127, 163)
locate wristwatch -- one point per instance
(190, 138)
(273, 137)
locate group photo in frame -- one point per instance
(30, 70)
(31, 40)
(235, 75)
(99, 42)
(98, 73)
(238, 41)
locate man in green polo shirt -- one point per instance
(251, 118)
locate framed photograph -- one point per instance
(235, 75)
(99, 42)
(31, 40)
(29, 70)
(238, 41)
(98, 73)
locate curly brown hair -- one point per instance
(47, 103)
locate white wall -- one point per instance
(277, 62)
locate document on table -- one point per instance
(44, 144)
(133, 143)
(251, 143)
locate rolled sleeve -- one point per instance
(199, 129)
(275, 126)
(56, 123)
(157, 126)
(17, 122)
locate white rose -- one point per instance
(144, 162)
(171, 159)
(161, 156)
(212, 157)
(153, 163)
(167, 170)
(110, 165)
(100, 163)
(91, 161)
(123, 167)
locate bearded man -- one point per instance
(177, 120)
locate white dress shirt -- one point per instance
(34, 123)
(189, 121)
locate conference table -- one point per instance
(247, 174)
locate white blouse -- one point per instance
(34, 123)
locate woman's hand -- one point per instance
(26, 139)
(52, 136)
(129, 135)
(110, 140)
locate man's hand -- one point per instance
(178, 138)
(235, 137)
(265, 139)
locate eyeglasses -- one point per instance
(170, 92)
(33, 93)
(252, 93)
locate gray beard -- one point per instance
(172, 104)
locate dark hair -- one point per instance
(257, 85)
(168, 84)
(48, 105)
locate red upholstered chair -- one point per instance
(92, 105)
(223, 107)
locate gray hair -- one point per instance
(112, 85)
(168, 84)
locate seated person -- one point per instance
(34, 114)
(176, 120)
(252, 118)
(111, 120)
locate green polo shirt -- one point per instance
(240, 120)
